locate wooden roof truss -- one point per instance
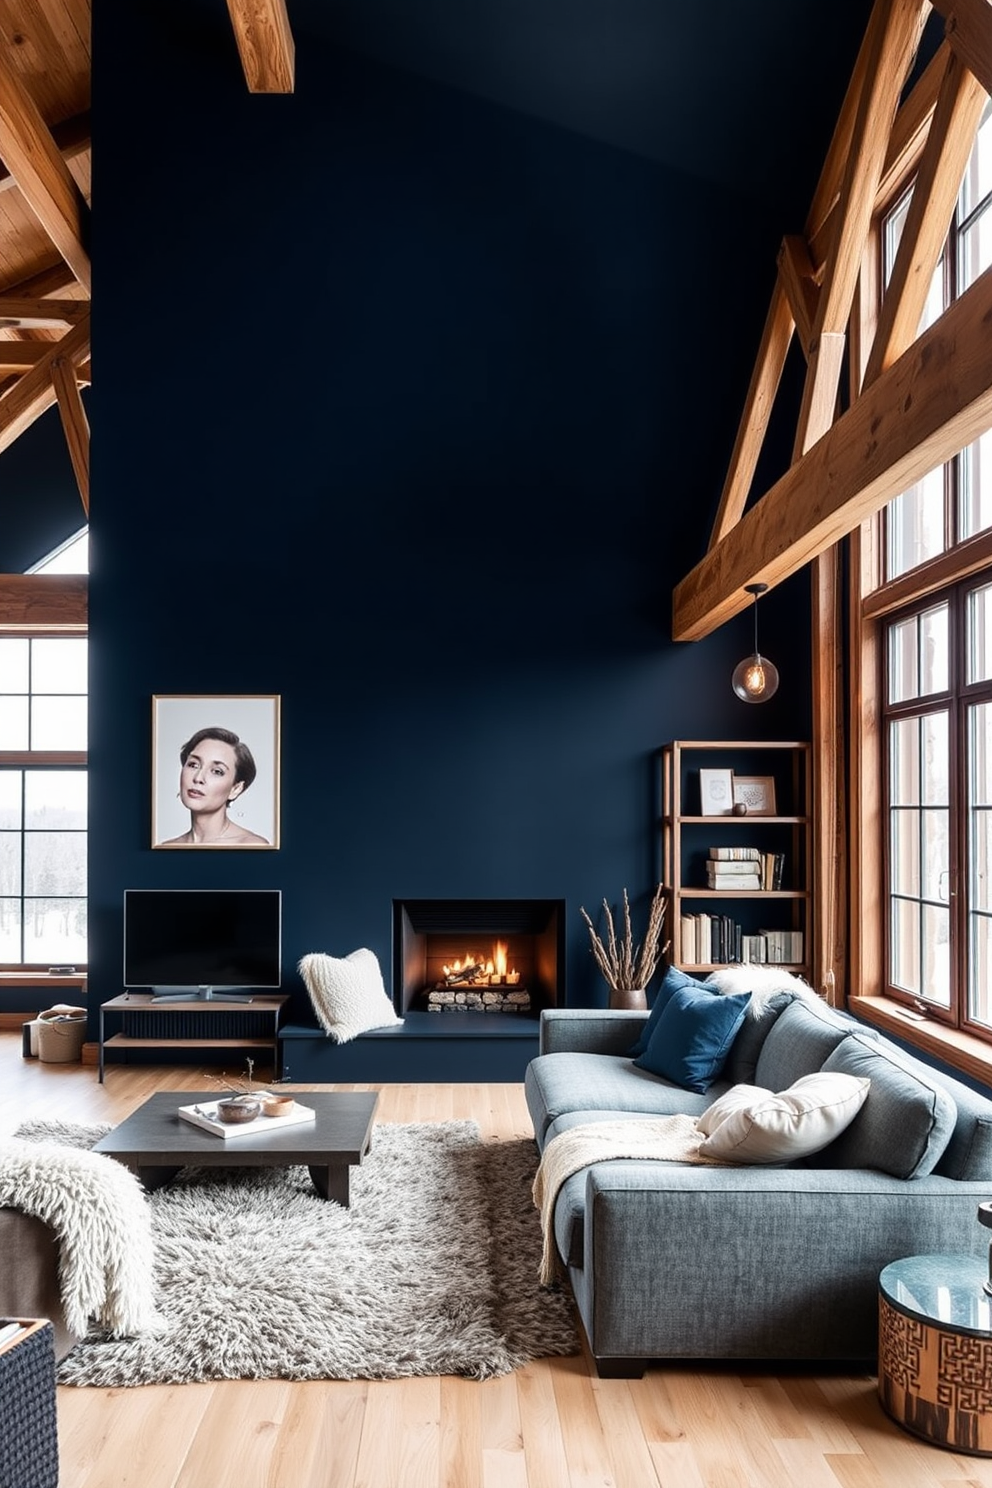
(918, 400)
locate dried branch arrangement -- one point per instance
(624, 965)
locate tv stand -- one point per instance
(200, 994)
(165, 1022)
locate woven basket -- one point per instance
(60, 1040)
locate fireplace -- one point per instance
(485, 957)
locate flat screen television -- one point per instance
(190, 942)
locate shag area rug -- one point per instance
(434, 1269)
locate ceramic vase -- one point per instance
(629, 998)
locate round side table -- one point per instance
(935, 1350)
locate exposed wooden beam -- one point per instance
(75, 424)
(918, 413)
(34, 315)
(51, 601)
(17, 356)
(265, 42)
(968, 28)
(33, 159)
(29, 397)
(949, 144)
(799, 282)
(765, 379)
(893, 38)
(72, 138)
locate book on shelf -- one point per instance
(736, 854)
(717, 880)
(707, 939)
(204, 1114)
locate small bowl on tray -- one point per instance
(236, 1109)
(277, 1105)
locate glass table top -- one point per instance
(946, 1289)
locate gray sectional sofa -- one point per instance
(674, 1260)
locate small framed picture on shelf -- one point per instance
(716, 792)
(756, 793)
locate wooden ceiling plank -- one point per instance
(74, 423)
(29, 397)
(968, 28)
(796, 273)
(765, 379)
(72, 138)
(16, 356)
(32, 314)
(917, 414)
(910, 130)
(265, 43)
(30, 154)
(951, 139)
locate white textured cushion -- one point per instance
(737, 1098)
(762, 1127)
(347, 993)
(762, 981)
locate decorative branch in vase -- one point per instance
(628, 968)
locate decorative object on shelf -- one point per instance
(755, 679)
(716, 792)
(628, 968)
(756, 793)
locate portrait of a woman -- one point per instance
(216, 768)
(227, 791)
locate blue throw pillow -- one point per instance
(673, 981)
(693, 1035)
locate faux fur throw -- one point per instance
(662, 1138)
(102, 1219)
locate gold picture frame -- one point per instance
(215, 771)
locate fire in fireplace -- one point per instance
(477, 955)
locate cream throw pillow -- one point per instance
(347, 993)
(749, 1125)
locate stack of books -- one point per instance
(708, 940)
(744, 868)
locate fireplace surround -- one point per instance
(502, 957)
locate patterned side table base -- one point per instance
(934, 1378)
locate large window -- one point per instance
(43, 790)
(938, 745)
(935, 662)
(42, 801)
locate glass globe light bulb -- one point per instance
(755, 679)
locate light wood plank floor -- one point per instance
(551, 1425)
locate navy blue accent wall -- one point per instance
(412, 411)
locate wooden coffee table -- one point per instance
(155, 1142)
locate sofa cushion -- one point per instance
(757, 1126)
(798, 1042)
(556, 1084)
(673, 981)
(692, 1038)
(905, 1123)
(347, 993)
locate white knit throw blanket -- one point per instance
(662, 1138)
(101, 1216)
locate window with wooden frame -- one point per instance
(43, 766)
(926, 635)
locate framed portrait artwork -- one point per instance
(215, 771)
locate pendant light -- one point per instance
(755, 678)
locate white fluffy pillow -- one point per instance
(760, 1127)
(348, 994)
(761, 980)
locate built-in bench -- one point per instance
(463, 1048)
